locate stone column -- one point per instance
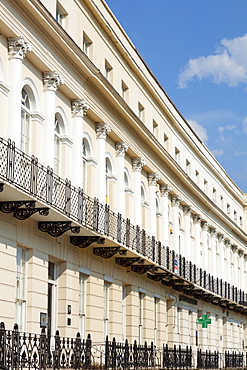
(51, 81)
(212, 265)
(102, 130)
(153, 177)
(121, 149)
(175, 228)
(197, 244)
(137, 164)
(17, 49)
(221, 273)
(78, 109)
(187, 252)
(205, 246)
(164, 192)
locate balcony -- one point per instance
(29, 189)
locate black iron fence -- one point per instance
(40, 182)
(39, 351)
(177, 358)
(234, 359)
(207, 360)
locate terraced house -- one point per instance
(115, 219)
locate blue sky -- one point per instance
(197, 49)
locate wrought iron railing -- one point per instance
(40, 182)
(234, 359)
(39, 351)
(177, 358)
(207, 360)
(32, 351)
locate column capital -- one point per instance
(234, 248)
(138, 163)
(18, 47)
(240, 253)
(153, 177)
(102, 130)
(79, 107)
(213, 232)
(176, 200)
(197, 219)
(51, 80)
(204, 225)
(227, 243)
(165, 190)
(187, 210)
(121, 149)
(220, 237)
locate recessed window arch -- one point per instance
(143, 193)
(58, 133)
(86, 154)
(29, 106)
(157, 203)
(127, 184)
(25, 121)
(180, 221)
(108, 176)
(191, 229)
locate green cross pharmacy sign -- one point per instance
(204, 321)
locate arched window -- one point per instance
(108, 172)
(25, 121)
(86, 153)
(143, 194)
(57, 143)
(157, 202)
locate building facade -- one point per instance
(115, 218)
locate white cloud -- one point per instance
(238, 154)
(228, 64)
(244, 124)
(227, 128)
(217, 152)
(199, 130)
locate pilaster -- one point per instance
(18, 47)
(121, 149)
(102, 129)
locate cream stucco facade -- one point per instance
(75, 93)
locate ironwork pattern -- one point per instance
(207, 360)
(125, 355)
(177, 358)
(39, 351)
(234, 359)
(34, 179)
(32, 351)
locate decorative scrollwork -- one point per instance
(1, 187)
(106, 252)
(9, 207)
(123, 252)
(157, 277)
(127, 261)
(57, 228)
(25, 213)
(85, 241)
(141, 269)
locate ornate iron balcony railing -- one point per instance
(39, 182)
